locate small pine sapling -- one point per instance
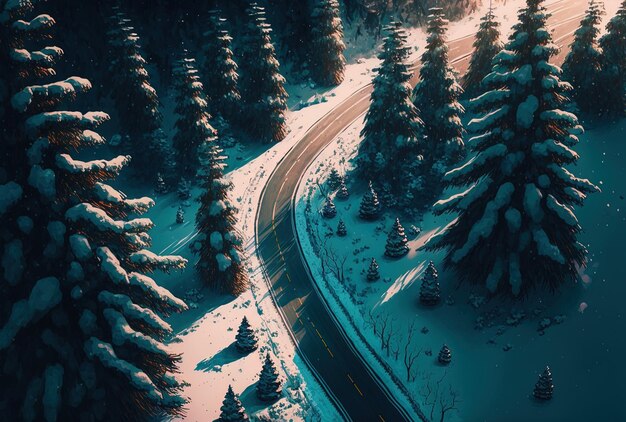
(245, 340)
(397, 243)
(370, 207)
(269, 386)
(544, 388)
(161, 186)
(180, 215)
(430, 293)
(372, 271)
(329, 210)
(334, 179)
(341, 229)
(232, 409)
(445, 355)
(343, 192)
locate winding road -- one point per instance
(354, 388)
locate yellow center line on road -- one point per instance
(357, 388)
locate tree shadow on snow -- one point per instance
(225, 356)
(250, 400)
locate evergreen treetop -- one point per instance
(613, 45)
(262, 84)
(246, 340)
(328, 62)
(486, 45)
(521, 196)
(269, 386)
(392, 127)
(232, 409)
(583, 63)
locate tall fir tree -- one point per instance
(81, 328)
(262, 86)
(392, 131)
(269, 386)
(193, 127)
(583, 63)
(397, 243)
(232, 410)
(436, 98)
(327, 60)
(136, 100)
(219, 244)
(516, 227)
(486, 45)
(544, 389)
(220, 71)
(613, 75)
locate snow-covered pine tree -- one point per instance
(193, 128)
(613, 76)
(544, 387)
(81, 328)
(245, 340)
(343, 192)
(486, 45)
(161, 186)
(521, 195)
(445, 355)
(430, 293)
(219, 72)
(583, 63)
(269, 386)
(184, 189)
(372, 271)
(327, 47)
(334, 179)
(136, 100)
(341, 229)
(180, 215)
(232, 410)
(262, 85)
(370, 207)
(329, 210)
(397, 243)
(436, 98)
(219, 244)
(388, 151)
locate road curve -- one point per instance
(352, 385)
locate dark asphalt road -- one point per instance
(353, 387)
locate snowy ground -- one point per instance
(503, 345)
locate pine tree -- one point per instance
(445, 355)
(219, 244)
(584, 61)
(334, 179)
(430, 293)
(161, 186)
(136, 100)
(193, 127)
(372, 271)
(246, 340)
(341, 229)
(544, 388)
(388, 151)
(613, 75)
(328, 63)
(262, 84)
(184, 189)
(486, 45)
(370, 207)
(343, 192)
(397, 243)
(180, 215)
(269, 386)
(232, 410)
(436, 98)
(329, 210)
(220, 69)
(81, 326)
(521, 198)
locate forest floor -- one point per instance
(499, 347)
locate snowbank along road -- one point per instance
(352, 385)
